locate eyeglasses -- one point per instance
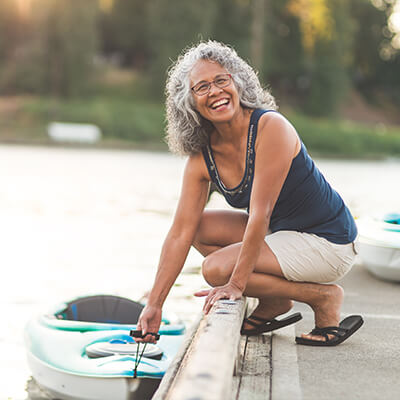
(220, 81)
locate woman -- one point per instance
(296, 235)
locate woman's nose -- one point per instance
(214, 89)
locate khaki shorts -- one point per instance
(306, 257)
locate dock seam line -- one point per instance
(285, 382)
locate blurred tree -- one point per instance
(257, 33)
(232, 24)
(68, 34)
(316, 22)
(376, 67)
(9, 22)
(173, 26)
(326, 33)
(284, 55)
(10, 35)
(311, 51)
(329, 65)
(58, 50)
(129, 32)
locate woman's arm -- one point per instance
(180, 237)
(277, 145)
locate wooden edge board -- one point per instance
(176, 362)
(203, 368)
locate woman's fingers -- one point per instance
(202, 293)
(214, 296)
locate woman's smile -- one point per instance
(218, 104)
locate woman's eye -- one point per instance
(202, 87)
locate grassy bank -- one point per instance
(340, 138)
(126, 121)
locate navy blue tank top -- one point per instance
(306, 203)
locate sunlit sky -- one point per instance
(394, 25)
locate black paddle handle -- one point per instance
(138, 334)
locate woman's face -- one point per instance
(219, 104)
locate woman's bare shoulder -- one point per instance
(196, 166)
(275, 128)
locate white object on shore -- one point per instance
(74, 133)
(379, 248)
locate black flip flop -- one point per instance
(342, 332)
(268, 325)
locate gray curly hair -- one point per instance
(187, 130)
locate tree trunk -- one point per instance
(257, 33)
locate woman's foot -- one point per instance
(326, 307)
(268, 309)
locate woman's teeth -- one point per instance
(219, 103)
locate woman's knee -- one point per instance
(201, 234)
(214, 271)
(220, 228)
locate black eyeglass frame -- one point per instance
(209, 83)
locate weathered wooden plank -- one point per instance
(285, 369)
(237, 375)
(206, 370)
(256, 369)
(169, 376)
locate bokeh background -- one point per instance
(333, 65)
(79, 219)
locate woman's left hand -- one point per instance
(228, 291)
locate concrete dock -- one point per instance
(366, 366)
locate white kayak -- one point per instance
(379, 245)
(83, 350)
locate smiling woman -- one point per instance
(187, 129)
(296, 236)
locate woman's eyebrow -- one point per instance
(209, 81)
(201, 82)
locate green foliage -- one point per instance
(11, 27)
(53, 49)
(375, 68)
(232, 24)
(68, 34)
(330, 137)
(129, 32)
(174, 25)
(117, 117)
(133, 121)
(58, 50)
(8, 28)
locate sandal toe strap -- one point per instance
(250, 322)
(260, 319)
(255, 324)
(328, 330)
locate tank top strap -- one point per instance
(210, 164)
(255, 117)
(253, 129)
(236, 195)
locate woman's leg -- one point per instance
(218, 239)
(218, 229)
(266, 283)
(221, 228)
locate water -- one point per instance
(77, 222)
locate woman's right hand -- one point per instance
(149, 322)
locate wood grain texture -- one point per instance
(285, 368)
(206, 369)
(169, 376)
(256, 369)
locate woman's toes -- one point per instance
(312, 337)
